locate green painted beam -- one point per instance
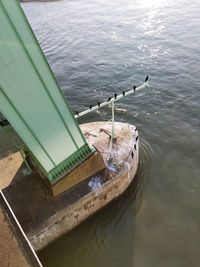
(31, 98)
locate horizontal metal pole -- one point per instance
(103, 104)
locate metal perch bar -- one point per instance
(113, 121)
(146, 84)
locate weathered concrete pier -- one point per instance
(44, 217)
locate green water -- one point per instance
(97, 48)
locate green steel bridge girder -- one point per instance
(31, 98)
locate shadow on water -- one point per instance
(91, 243)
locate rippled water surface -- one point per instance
(97, 48)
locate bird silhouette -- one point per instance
(99, 104)
(109, 99)
(115, 95)
(76, 112)
(134, 87)
(136, 138)
(123, 92)
(132, 154)
(90, 106)
(146, 79)
(135, 147)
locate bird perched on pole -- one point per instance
(99, 104)
(134, 87)
(115, 95)
(146, 79)
(123, 92)
(76, 112)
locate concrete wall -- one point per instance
(65, 220)
(14, 248)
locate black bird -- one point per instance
(132, 154)
(76, 112)
(134, 87)
(136, 138)
(135, 147)
(146, 79)
(90, 106)
(99, 104)
(123, 92)
(109, 99)
(115, 95)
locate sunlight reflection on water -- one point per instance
(97, 48)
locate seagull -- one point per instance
(109, 99)
(132, 154)
(115, 95)
(136, 138)
(146, 79)
(98, 103)
(123, 92)
(76, 112)
(90, 106)
(135, 147)
(134, 87)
